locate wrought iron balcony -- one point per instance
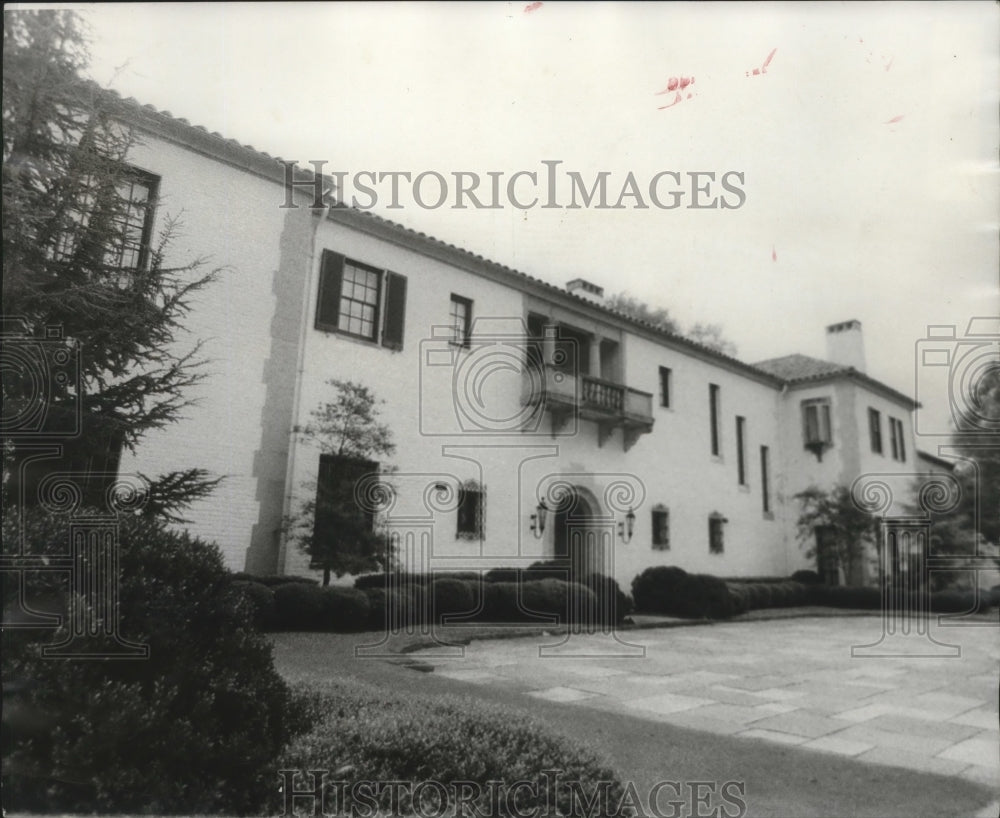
(611, 405)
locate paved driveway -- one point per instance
(789, 681)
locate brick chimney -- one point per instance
(586, 289)
(845, 344)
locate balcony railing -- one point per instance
(611, 405)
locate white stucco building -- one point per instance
(503, 392)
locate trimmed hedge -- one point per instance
(373, 734)
(668, 590)
(260, 599)
(272, 580)
(382, 580)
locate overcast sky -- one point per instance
(868, 146)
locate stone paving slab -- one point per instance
(787, 681)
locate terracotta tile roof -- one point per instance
(776, 371)
(800, 367)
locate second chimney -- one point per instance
(845, 344)
(586, 289)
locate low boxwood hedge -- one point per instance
(367, 733)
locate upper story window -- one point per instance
(127, 206)
(665, 378)
(896, 439)
(362, 301)
(460, 318)
(875, 430)
(765, 479)
(661, 528)
(134, 221)
(741, 454)
(713, 413)
(816, 430)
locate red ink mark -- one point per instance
(774, 254)
(532, 7)
(763, 69)
(895, 119)
(675, 85)
(888, 65)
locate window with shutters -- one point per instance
(361, 301)
(816, 429)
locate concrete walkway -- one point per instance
(916, 704)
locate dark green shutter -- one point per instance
(331, 274)
(395, 311)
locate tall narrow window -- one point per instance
(661, 528)
(896, 439)
(741, 455)
(713, 411)
(460, 319)
(665, 374)
(765, 480)
(339, 519)
(875, 430)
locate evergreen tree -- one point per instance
(92, 309)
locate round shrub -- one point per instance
(500, 602)
(450, 597)
(260, 600)
(701, 596)
(612, 602)
(503, 575)
(806, 577)
(344, 610)
(299, 607)
(652, 588)
(373, 734)
(740, 596)
(194, 727)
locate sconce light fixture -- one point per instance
(626, 528)
(538, 520)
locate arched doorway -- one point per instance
(576, 539)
